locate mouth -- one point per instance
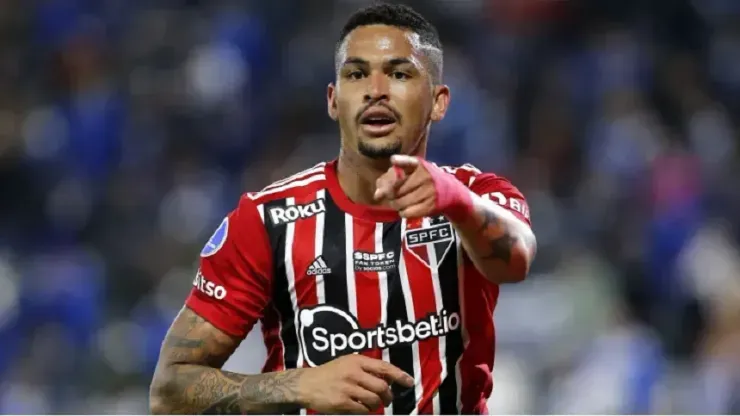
(378, 122)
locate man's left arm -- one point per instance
(500, 245)
(496, 234)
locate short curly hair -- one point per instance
(403, 17)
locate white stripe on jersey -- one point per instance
(310, 171)
(349, 238)
(319, 248)
(290, 274)
(470, 168)
(261, 210)
(280, 332)
(291, 185)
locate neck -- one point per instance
(358, 174)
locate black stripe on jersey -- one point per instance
(402, 356)
(335, 285)
(448, 280)
(281, 294)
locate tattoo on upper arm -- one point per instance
(192, 354)
(500, 238)
(192, 340)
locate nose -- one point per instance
(377, 87)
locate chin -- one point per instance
(380, 147)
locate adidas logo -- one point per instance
(318, 267)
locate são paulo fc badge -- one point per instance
(217, 240)
(429, 239)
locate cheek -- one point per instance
(344, 106)
(413, 101)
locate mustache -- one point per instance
(379, 103)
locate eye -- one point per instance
(400, 75)
(355, 75)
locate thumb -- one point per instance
(405, 162)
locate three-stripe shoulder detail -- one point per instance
(292, 183)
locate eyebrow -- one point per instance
(393, 62)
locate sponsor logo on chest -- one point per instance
(327, 332)
(318, 267)
(292, 213)
(374, 262)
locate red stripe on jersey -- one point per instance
(476, 363)
(424, 301)
(271, 336)
(367, 291)
(304, 255)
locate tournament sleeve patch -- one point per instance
(217, 240)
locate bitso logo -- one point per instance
(208, 287)
(327, 332)
(291, 213)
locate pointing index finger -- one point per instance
(405, 162)
(389, 182)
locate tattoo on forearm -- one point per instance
(501, 241)
(189, 379)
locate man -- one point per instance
(379, 253)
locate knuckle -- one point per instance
(381, 387)
(374, 402)
(350, 406)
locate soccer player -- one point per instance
(374, 275)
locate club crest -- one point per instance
(429, 239)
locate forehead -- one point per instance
(379, 40)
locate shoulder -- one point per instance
(491, 186)
(285, 200)
(294, 186)
(475, 179)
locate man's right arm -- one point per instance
(188, 379)
(231, 289)
(230, 292)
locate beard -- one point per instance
(383, 150)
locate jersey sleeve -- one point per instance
(233, 283)
(496, 188)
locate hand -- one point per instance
(417, 188)
(353, 384)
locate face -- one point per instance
(384, 98)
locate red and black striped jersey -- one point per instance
(328, 277)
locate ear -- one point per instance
(441, 102)
(331, 101)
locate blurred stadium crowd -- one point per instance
(128, 128)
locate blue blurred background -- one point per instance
(128, 128)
